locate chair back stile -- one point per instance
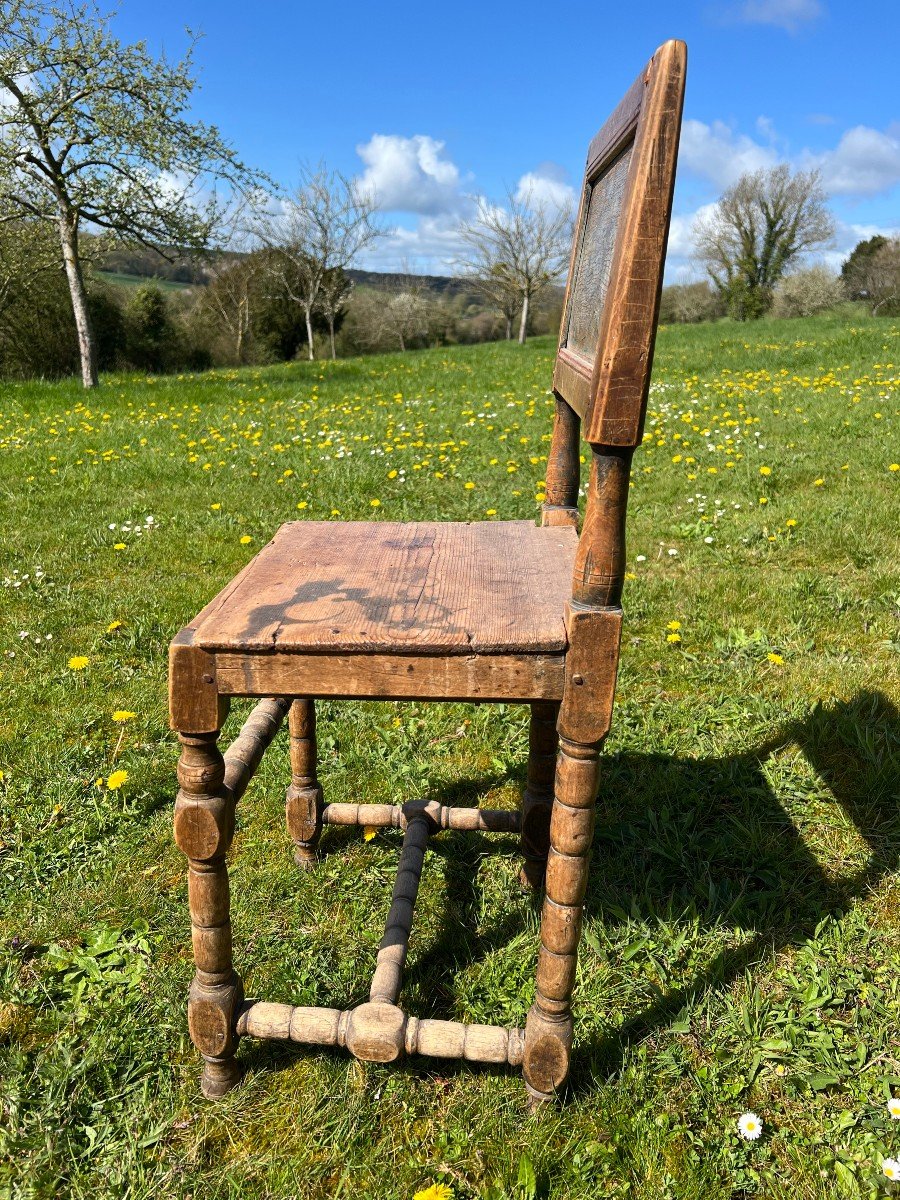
(602, 371)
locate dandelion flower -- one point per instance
(302, 503)
(818, 482)
(375, 503)
(78, 662)
(246, 539)
(765, 470)
(790, 523)
(891, 1168)
(749, 1126)
(121, 715)
(468, 486)
(673, 638)
(893, 1107)
(113, 626)
(490, 512)
(777, 659)
(764, 499)
(369, 832)
(673, 625)
(894, 467)
(215, 507)
(436, 1191)
(116, 780)
(119, 546)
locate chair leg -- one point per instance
(304, 801)
(204, 827)
(548, 1030)
(537, 801)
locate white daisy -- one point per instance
(749, 1126)
(891, 1168)
(893, 1107)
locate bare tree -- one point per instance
(97, 133)
(516, 251)
(228, 298)
(321, 227)
(878, 278)
(334, 296)
(762, 224)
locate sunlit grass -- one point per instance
(741, 949)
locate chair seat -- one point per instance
(420, 588)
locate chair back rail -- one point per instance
(602, 371)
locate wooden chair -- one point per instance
(494, 611)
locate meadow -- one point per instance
(742, 941)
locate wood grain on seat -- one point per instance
(496, 587)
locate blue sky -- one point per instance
(431, 104)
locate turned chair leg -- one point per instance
(548, 1029)
(537, 800)
(204, 827)
(304, 800)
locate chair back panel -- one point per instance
(612, 295)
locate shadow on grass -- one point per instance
(702, 836)
(710, 837)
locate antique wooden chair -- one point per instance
(493, 611)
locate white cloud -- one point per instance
(719, 154)
(785, 14)
(410, 174)
(431, 247)
(545, 185)
(864, 163)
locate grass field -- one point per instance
(742, 945)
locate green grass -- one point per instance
(741, 948)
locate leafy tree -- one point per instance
(96, 134)
(517, 251)
(761, 225)
(150, 330)
(853, 270)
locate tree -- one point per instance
(229, 298)
(337, 287)
(322, 227)
(804, 293)
(761, 225)
(96, 133)
(872, 273)
(516, 251)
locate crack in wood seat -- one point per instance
(425, 588)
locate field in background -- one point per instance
(742, 945)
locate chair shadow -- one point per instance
(697, 858)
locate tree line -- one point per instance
(99, 155)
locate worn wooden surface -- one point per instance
(494, 587)
(395, 677)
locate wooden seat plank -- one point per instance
(434, 588)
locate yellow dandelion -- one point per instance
(673, 638)
(113, 626)
(818, 482)
(673, 625)
(246, 539)
(121, 715)
(392, 474)
(777, 659)
(468, 486)
(215, 507)
(764, 499)
(790, 522)
(894, 467)
(369, 832)
(765, 470)
(375, 503)
(116, 780)
(302, 503)
(78, 662)
(120, 546)
(435, 1191)
(490, 512)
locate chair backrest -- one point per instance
(602, 371)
